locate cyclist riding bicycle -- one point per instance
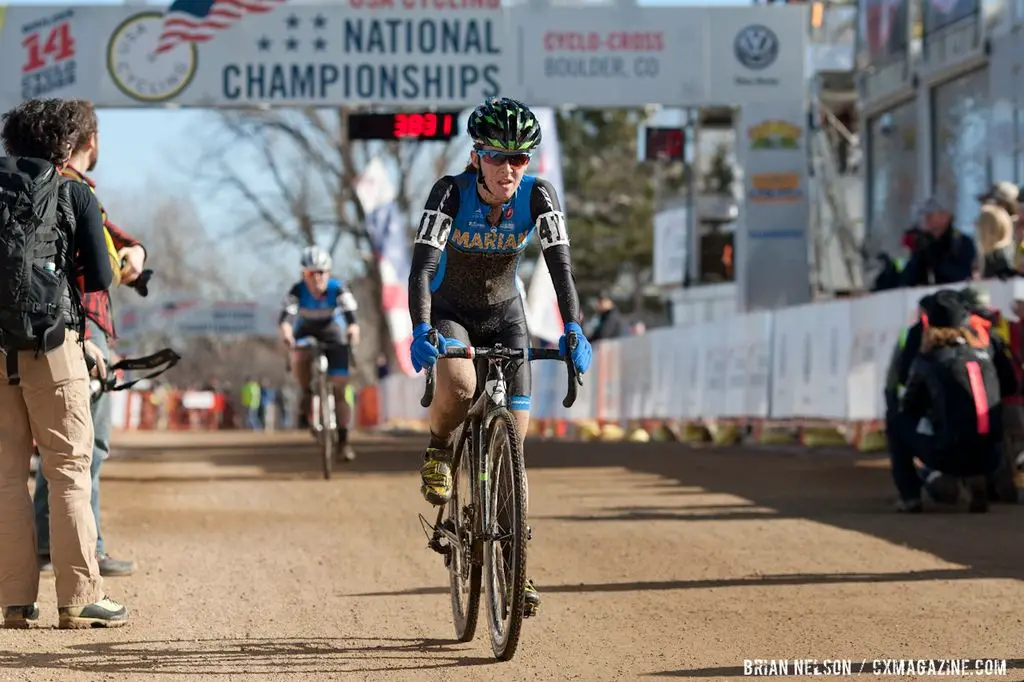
(474, 229)
(315, 307)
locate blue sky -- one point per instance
(134, 143)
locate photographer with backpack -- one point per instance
(99, 337)
(50, 228)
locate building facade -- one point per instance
(941, 95)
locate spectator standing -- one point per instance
(99, 338)
(944, 255)
(609, 323)
(44, 393)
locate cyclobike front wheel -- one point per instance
(505, 551)
(327, 432)
(460, 513)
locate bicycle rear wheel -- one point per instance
(505, 553)
(327, 433)
(459, 518)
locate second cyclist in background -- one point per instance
(321, 307)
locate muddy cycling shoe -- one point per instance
(436, 473)
(106, 613)
(532, 602)
(21, 617)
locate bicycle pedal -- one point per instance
(529, 533)
(529, 610)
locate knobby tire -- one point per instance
(326, 432)
(465, 606)
(507, 474)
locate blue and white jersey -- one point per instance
(303, 308)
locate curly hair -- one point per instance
(939, 337)
(86, 122)
(42, 129)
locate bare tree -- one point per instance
(178, 248)
(294, 175)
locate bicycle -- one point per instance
(470, 531)
(323, 420)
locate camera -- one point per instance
(141, 284)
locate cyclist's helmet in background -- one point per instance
(315, 258)
(504, 124)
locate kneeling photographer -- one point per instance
(949, 415)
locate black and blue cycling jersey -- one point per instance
(463, 277)
(321, 317)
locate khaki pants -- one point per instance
(50, 404)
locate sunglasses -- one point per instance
(316, 272)
(496, 157)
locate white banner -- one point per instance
(191, 317)
(824, 361)
(407, 53)
(671, 244)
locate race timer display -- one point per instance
(427, 125)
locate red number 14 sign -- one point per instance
(58, 46)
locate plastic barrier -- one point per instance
(814, 366)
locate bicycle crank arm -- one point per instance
(436, 534)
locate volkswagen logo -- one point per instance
(756, 47)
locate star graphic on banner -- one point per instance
(263, 44)
(292, 21)
(319, 44)
(292, 44)
(319, 21)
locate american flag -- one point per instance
(196, 21)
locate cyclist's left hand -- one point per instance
(353, 334)
(583, 354)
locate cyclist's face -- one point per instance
(316, 280)
(503, 170)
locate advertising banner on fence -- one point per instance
(394, 53)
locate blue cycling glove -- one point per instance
(422, 352)
(583, 354)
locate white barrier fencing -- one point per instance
(821, 362)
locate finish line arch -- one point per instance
(452, 54)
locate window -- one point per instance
(892, 174)
(960, 111)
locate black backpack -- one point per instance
(35, 237)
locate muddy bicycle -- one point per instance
(481, 531)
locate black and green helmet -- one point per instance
(506, 124)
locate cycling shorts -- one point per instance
(331, 337)
(503, 323)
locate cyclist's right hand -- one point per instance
(422, 352)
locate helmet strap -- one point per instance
(480, 178)
(480, 171)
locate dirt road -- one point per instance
(653, 561)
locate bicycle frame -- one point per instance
(489, 398)
(317, 372)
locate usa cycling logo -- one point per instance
(756, 47)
